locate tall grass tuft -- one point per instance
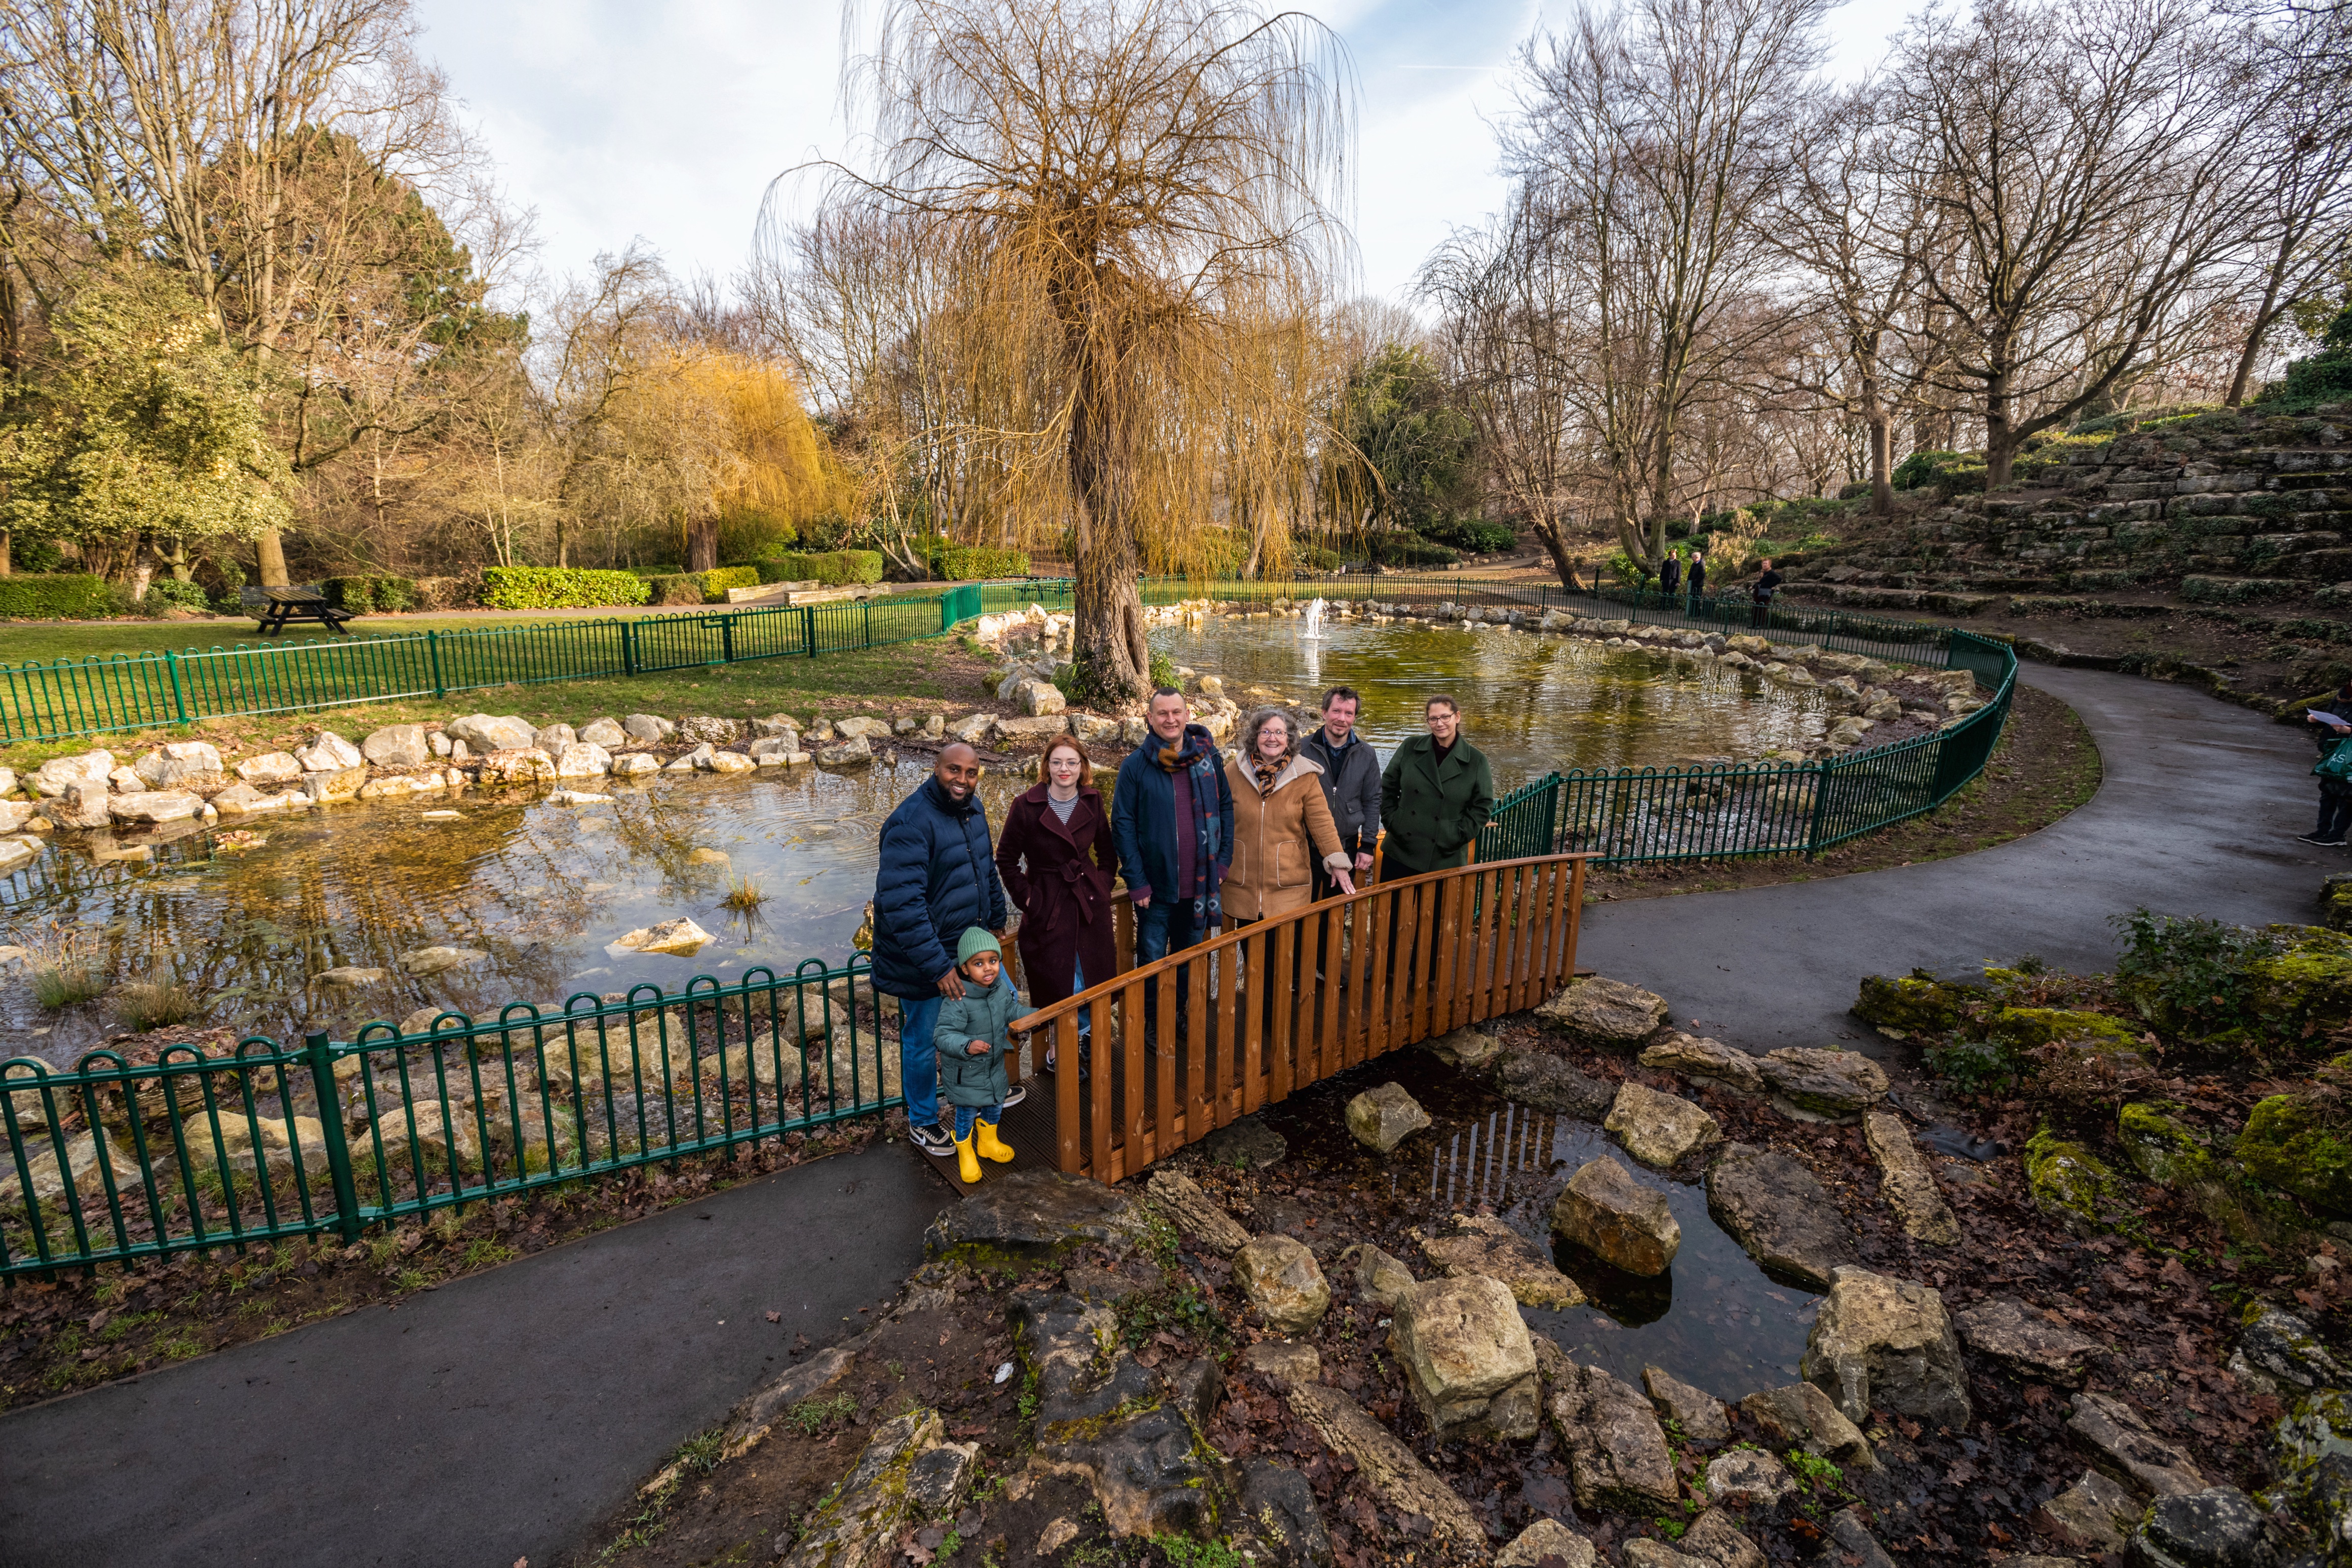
(144, 1004)
(743, 894)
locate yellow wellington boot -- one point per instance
(992, 1147)
(967, 1164)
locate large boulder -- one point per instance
(855, 752)
(2217, 1527)
(81, 803)
(2278, 1354)
(1379, 1279)
(1545, 1082)
(1031, 1217)
(269, 768)
(1709, 1061)
(49, 780)
(154, 806)
(583, 760)
(609, 734)
(1282, 1281)
(1466, 1357)
(84, 1154)
(2118, 1441)
(1546, 1539)
(1038, 697)
(707, 729)
(2007, 1330)
(1483, 1246)
(180, 764)
(1748, 1477)
(1382, 1117)
(552, 738)
(860, 1522)
(1915, 1004)
(1886, 1343)
(1823, 1085)
(1617, 1453)
(1802, 1417)
(1605, 1211)
(1660, 1129)
(1776, 1209)
(2302, 1143)
(518, 765)
(482, 732)
(647, 727)
(397, 746)
(2169, 1152)
(1698, 1413)
(2093, 1515)
(1399, 1480)
(1608, 1014)
(2069, 1182)
(327, 753)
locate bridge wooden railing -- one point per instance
(1189, 1042)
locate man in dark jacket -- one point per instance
(1171, 819)
(1697, 579)
(1766, 587)
(1670, 574)
(937, 878)
(1435, 795)
(1351, 783)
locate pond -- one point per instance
(542, 889)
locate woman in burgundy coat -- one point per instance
(1057, 862)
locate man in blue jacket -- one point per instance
(1172, 820)
(938, 878)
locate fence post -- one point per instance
(179, 698)
(433, 648)
(339, 1148)
(1820, 806)
(808, 630)
(726, 639)
(629, 647)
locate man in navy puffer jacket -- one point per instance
(938, 878)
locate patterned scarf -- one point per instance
(1267, 773)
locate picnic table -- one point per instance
(280, 606)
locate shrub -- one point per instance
(366, 594)
(559, 588)
(1953, 473)
(833, 568)
(1469, 533)
(1411, 550)
(64, 597)
(719, 579)
(169, 593)
(959, 563)
(679, 588)
(2322, 378)
(1315, 558)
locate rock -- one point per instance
(635, 765)
(1032, 1217)
(972, 727)
(126, 781)
(2118, 1442)
(1194, 1213)
(694, 761)
(860, 1525)
(1802, 1417)
(1826, 1084)
(180, 763)
(397, 746)
(1610, 1215)
(1279, 1502)
(1545, 1538)
(2094, 1514)
(1715, 1541)
(1034, 728)
(1464, 1048)
(2278, 1354)
(1483, 1246)
(775, 747)
(16, 852)
(1284, 1358)
(263, 1143)
(1608, 1014)
(526, 764)
(1906, 1183)
(705, 729)
(482, 732)
(864, 726)
(82, 802)
(1245, 1144)
(2166, 1150)
(730, 762)
(1133, 731)
(750, 1422)
(1402, 1482)
(1775, 1210)
(1697, 1411)
(854, 753)
(1196, 1387)
(15, 814)
(1383, 1117)
(1056, 1534)
(1617, 1455)
(1379, 1277)
(2070, 1183)
(1466, 1357)
(1709, 1061)
(1040, 697)
(680, 936)
(1282, 1281)
(1546, 1082)
(394, 786)
(1888, 1345)
(84, 1154)
(49, 780)
(324, 788)
(2026, 1338)
(647, 727)
(1094, 728)
(606, 732)
(155, 805)
(425, 960)
(552, 738)
(2217, 1527)
(1211, 685)
(352, 974)
(2297, 1142)
(327, 753)
(1850, 1540)
(2319, 1426)
(1748, 1477)
(583, 760)
(1660, 1129)
(269, 768)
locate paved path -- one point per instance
(2196, 814)
(503, 1415)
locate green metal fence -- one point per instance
(113, 1162)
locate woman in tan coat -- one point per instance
(1282, 824)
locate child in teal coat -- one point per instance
(972, 1036)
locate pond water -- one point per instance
(542, 889)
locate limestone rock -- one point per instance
(1710, 1062)
(82, 803)
(1196, 1214)
(778, 726)
(1038, 697)
(1279, 1503)
(1906, 1181)
(267, 1143)
(327, 753)
(1748, 1477)
(397, 746)
(583, 760)
(708, 729)
(1888, 1345)
(859, 1526)
(392, 787)
(606, 732)
(680, 936)
(154, 806)
(1608, 1014)
(635, 765)
(864, 725)
(182, 762)
(1094, 728)
(1379, 1277)
(326, 786)
(2094, 1515)
(1546, 1082)
(126, 780)
(1545, 1538)
(525, 765)
(1034, 727)
(1284, 1358)
(483, 732)
(15, 814)
(49, 780)
(1802, 1417)
(2217, 1527)
(1828, 1085)
(1389, 1468)
(2277, 1354)
(1617, 1454)
(269, 768)
(1775, 1210)
(1464, 1048)
(1032, 1217)
(694, 761)
(854, 753)
(645, 727)
(1383, 1117)
(1245, 1144)
(1466, 1357)
(2009, 1331)
(352, 974)
(1606, 1211)
(1698, 1413)
(2119, 1442)
(1715, 1541)
(1852, 1541)
(972, 727)
(1282, 1281)
(552, 738)
(84, 1153)
(425, 960)
(730, 762)
(1483, 1246)
(1660, 1129)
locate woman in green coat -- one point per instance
(1435, 795)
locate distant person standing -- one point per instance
(1351, 783)
(1765, 586)
(2332, 731)
(1436, 792)
(1670, 574)
(1697, 579)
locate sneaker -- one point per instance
(934, 1141)
(2323, 843)
(1016, 1095)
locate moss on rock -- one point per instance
(2172, 1154)
(2069, 1182)
(2026, 1028)
(2336, 902)
(2305, 990)
(2299, 1144)
(1915, 1004)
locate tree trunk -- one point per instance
(1107, 604)
(2000, 437)
(1882, 472)
(2254, 334)
(1549, 534)
(702, 543)
(4, 567)
(270, 557)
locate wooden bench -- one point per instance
(280, 606)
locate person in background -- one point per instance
(1765, 587)
(936, 880)
(1351, 783)
(1697, 578)
(1670, 574)
(1173, 822)
(1282, 824)
(1436, 792)
(1056, 860)
(973, 1033)
(2331, 731)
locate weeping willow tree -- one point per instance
(1130, 209)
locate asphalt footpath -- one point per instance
(501, 1416)
(2196, 814)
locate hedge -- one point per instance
(832, 568)
(1411, 550)
(559, 588)
(959, 564)
(677, 588)
(719, 579)
(61, 596)
(363, 596)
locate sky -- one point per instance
(668, 119)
